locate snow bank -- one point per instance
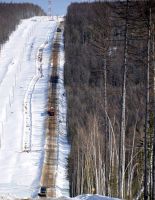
(86, 197)
(93, 197)
(62, 184)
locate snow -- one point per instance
(81, 197)
(23, 89)
(93, 197)
(62, 184)
(86, 197)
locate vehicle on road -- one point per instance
(43, 191)
(58, 30)
(51, 111)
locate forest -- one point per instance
(12, 13)
(110, 85)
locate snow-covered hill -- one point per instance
(24, 74)
(23, 91)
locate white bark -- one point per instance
(121, 178)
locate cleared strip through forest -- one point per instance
(48, 178)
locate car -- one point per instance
(51, 111)
(58, 29)
(43, 191)
(54, 79)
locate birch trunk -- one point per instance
(130, 176)
(147, 109)
(121, 179)
(153, 159)
(106, 130)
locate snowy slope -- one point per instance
(23, 90)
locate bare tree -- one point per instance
(121, 168)
(153, 155)
(147, 104)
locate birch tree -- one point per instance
(121, 168)
(153, 159)
(147, 104)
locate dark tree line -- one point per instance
(12, 13)
(109, 78)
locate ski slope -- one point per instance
(24, 70)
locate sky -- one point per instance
(59, 6)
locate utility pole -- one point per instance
(50, 8)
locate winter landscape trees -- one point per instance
(109, 77)
(11, 14)
(110, 84)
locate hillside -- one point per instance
(23, 74)
(11, 14)
(106, 73)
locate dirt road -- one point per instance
(48, 178)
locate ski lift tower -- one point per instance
(50, 9)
